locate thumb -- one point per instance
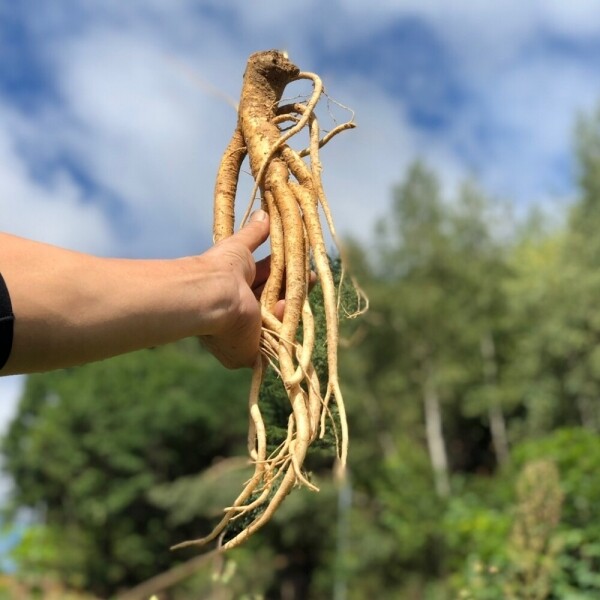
(255, 231)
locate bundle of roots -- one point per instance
(289, 182)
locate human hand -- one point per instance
(236, 335)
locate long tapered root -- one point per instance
(290, 186)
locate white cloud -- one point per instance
(146, 133)
(136, 120)
(360, 166)
(54, 211)
(537, 106)
(575, 19)
(152, 138)
(523, 90)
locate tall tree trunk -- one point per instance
(495, 414)
(435, 436)
(381, 425)
(587, 414)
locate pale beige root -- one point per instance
(226, 187)
(294, 251)
(285, 487)
(284, 113)
(264, 495)
(304, 352)
(310, 180)
(315, 402)
(272, 289)
(257, 436)
(308, 202)
(291, 192)
(248, 490)
(280, 141)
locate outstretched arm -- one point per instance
(71, 308)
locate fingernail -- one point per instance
(258, 215)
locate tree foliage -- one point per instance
(89, 444)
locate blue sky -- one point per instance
(111, 129)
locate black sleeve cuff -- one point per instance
(7, 321)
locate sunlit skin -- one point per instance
(72, 308)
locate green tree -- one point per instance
(439, 307)
(481, 269)
(413, 263)
(88, 445)
(554, 375)
(542, 538)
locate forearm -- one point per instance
(71, 308)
